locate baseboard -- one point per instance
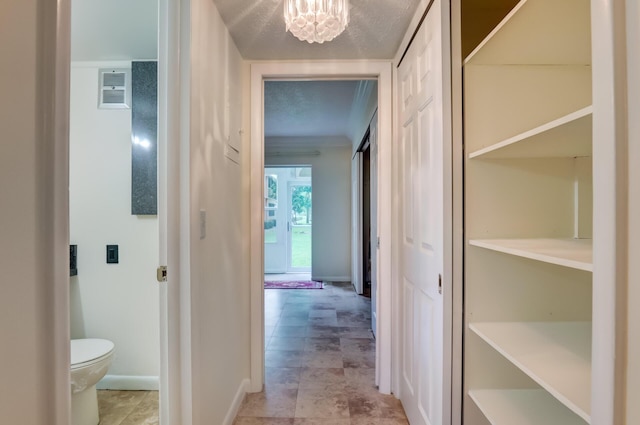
(129, 383)
(236, 403)
(331, 278)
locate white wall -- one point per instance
(331, 232)
(220, 316)
(120, 301)
(34, 387)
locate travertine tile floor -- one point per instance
(128, 407)
(320, 363)
(320, 359)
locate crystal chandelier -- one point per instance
(316, 21)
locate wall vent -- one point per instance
(114, 88)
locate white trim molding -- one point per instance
(609, 210)
(237, 402)
(331, 278)
(382, 71)
(633, 190)
(52, 155)
(129, 383)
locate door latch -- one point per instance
(439, 284)
(161, 273)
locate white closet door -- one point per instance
(420, 82)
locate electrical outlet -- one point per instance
(112, 254)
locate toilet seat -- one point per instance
(85, 352)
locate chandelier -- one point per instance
(316, 21)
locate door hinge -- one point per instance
(439, 284)
(161, 273)
(378, 242)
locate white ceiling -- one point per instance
(375, 30)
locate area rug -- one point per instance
(300, 284)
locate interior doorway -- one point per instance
(260, 73)
(113, 115)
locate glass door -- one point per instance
(275, 221)
(300, 225)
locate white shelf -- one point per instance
(567, 137)
(556, 355)
(573, 253)
(522, 407)
(539, 32)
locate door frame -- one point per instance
(357, 208)
(322, 70)
(174, 59)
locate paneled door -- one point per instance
(420, 87)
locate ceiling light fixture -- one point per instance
(316, 21)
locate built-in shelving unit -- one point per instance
(528, 186)
(573, 253)
(566, 137)
(522, 407)
(556, 355)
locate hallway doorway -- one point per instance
(261, 73)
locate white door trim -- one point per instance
(52, 129)
(173, 173)
(357, 254)
(174, 28)
(319, 70)
(609, 93)
(456, 301)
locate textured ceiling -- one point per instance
(307, 108)
(312, 113)
(375, 30)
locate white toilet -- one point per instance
(90, 360)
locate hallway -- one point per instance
(320, 362)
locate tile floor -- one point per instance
(320, 359)
(128, 407)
